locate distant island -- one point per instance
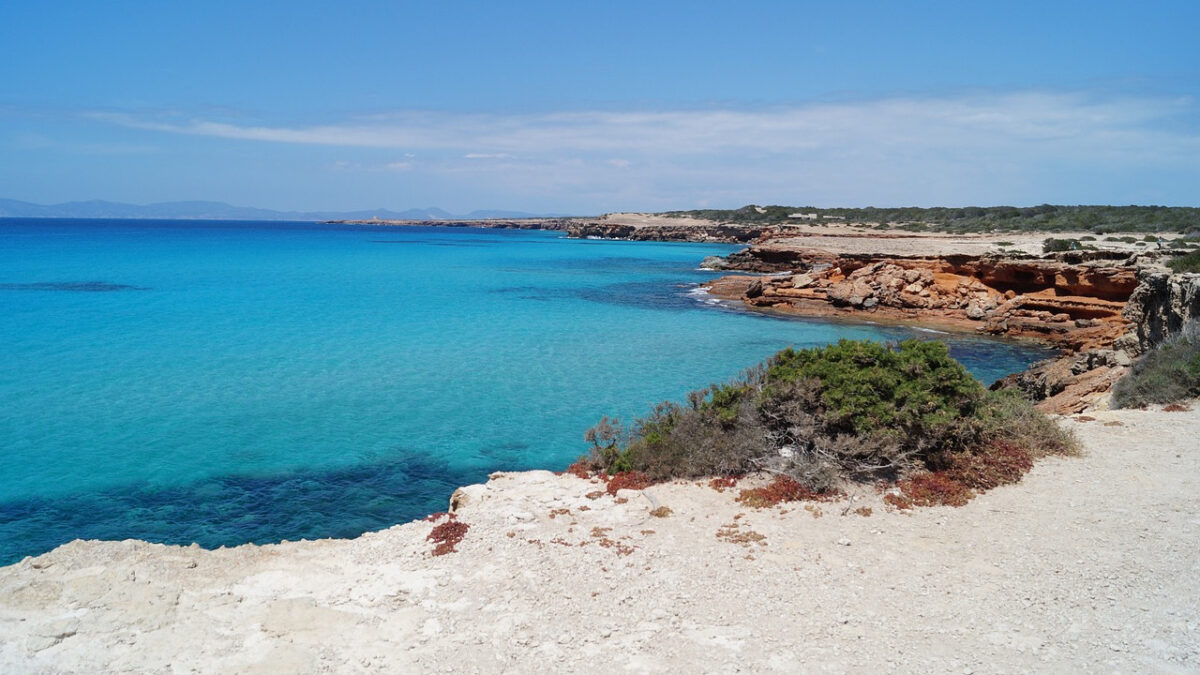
(208, 210)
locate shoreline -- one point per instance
(932, 325)
(550, 577)
(1046, 574)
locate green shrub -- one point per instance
(1052, 245)
(852, 410)
(1185, 263)
(1168, 373)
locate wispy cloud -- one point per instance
(42, 142)
(946, 149)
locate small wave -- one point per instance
(701, 294)
(930, 330)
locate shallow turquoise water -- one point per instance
(233, 382)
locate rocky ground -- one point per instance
(1089, 564)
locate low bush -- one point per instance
(1185, 263)
(1053, 245)
(628, 480)
(782, 489)
(1168, 373)
(447, 535)
(929, 489)
(817, 417)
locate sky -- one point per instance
(585, 108)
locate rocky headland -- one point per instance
(617, 226)
(1101, 308)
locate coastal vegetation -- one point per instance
(445, 536)
(1043, 218)
(1168, 373)
(1185, 263)
(853, 411)
(1053, 245)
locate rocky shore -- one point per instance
(1086, 565)
(617, 226)
(1100, 308)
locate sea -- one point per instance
(231, 382)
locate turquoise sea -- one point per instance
(232, 382)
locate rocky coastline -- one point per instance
(1087, 564)
(624, 227)
(548, 572)
(1101, 309)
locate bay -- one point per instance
(232, 382)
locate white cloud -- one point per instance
(982, 148)
(37, 141)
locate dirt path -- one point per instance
(1089, 564)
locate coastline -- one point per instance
(1046, 574)
(1100, 308)
(550, 577)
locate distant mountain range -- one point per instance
(198, 210)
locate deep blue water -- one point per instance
(228, 382)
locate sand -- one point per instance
(1089, 564)
(866, 238)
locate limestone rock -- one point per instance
(1161, 304)
(802, 281)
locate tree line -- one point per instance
(1043, 218)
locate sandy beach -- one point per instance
(1087, 565)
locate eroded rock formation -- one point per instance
(1072, 306)
(1160, 305)
(1101, 310)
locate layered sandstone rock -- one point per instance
(1076, 307)
(1092, 305)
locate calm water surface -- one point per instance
(228, 382)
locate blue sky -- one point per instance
(593, 107)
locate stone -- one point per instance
(467, 494)
(802, 281)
